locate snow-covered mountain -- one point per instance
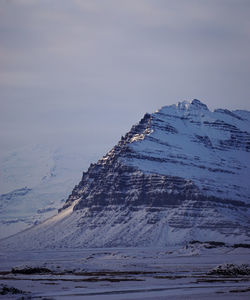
(181, 173)
(35, 181)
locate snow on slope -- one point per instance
(34, 182)
(119, 226)
(181, 173)
(209, 148)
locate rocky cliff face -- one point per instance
(181, 152)
(181, 173)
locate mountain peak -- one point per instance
(197, 103)
(183, 106)
(190, 105)
(179, 174)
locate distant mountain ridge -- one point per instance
(35, 181)
(181, 173)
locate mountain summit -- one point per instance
(181, 173)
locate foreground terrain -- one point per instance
(187, 272)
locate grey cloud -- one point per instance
(72, 68)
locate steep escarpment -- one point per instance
(181, 152)
(180, 174)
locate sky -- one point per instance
(83, 72)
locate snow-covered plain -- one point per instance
(126, 273)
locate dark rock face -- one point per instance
(231, 270)
(116, 184)
(132, 188)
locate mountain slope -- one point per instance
(181, 173)
(34, 182)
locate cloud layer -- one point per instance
(85, 71)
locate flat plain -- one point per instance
(124, 273)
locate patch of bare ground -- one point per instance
(219, 279)
(170, 277)
(89, 279)
(231, 270)
(5, 290)
(240, 290)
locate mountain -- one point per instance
(180, 174)
(35, 181)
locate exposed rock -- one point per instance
(5, 290)
(30, 270)
(231, 270)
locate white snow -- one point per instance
(131, 273)
(222, 173)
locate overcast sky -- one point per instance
(85, 71)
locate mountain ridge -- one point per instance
(126, 150)
(181, 173)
